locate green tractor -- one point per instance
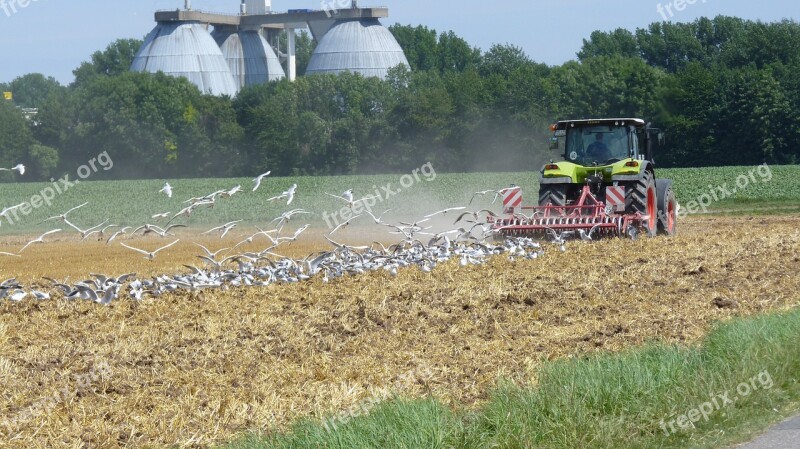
(613, 160)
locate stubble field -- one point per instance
(191, 370)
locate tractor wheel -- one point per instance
(667, 207)
(641, 196)
(553, 194)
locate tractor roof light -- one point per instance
(554, 127)
(551, 167)
(632, 164)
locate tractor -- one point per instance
(605, 186)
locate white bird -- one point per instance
(209, 253)
(63, 217)
(117, 234)
(344, 224)
(85, 233)
(39, 239)
(19, 167)
(378, 220)
(287, 195)
(161, 216)
(150, 255)
(444, 212)
(258, 179)
(587, 236)
(167, 189)
(231, 192)
(224, 228)
(9, 254)
(497, 193)
(347, 197)
(5, 211)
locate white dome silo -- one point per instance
(250, 58)
(186, 49)
(361, 46)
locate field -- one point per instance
(192, 370)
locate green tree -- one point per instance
(619, 42)
(115, 60)
(32, 90)
(16, 138)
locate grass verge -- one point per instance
(743, 377)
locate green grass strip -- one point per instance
(742, 377)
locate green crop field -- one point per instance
(134, 202)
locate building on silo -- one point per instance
(361, 46)
(186, 49)
(250, 57)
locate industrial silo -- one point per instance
(361, 45)
(186, 49)
(250, 57)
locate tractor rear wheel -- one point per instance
(667, 207)
(641, 196)
(553, 194)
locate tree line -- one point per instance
(725, 90)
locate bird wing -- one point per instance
(167, 246)
(136, 249)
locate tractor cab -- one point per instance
(604, 142)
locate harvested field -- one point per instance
(192, 370)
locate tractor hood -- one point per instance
(578, 173)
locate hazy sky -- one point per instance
(54, 37)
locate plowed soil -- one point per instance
(191, 370)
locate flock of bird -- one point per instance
(418, 246)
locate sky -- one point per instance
(53, 37)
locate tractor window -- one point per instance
(590, 144)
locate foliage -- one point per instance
(725, 90)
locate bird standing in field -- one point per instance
(167, 189)
(258, 179)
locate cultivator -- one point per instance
(595, 218)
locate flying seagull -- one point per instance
(287, 195)
(149, 255)
(167, 189)
(258, 179)
(19, 167)
(63, 217)
(39, 239)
